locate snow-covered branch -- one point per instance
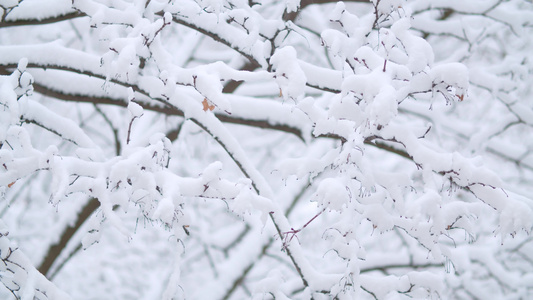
(220, 149)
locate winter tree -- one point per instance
(229, 149)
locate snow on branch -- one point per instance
(282, 149)
(19, 275)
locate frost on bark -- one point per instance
(221, 149)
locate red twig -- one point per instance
(292, 233)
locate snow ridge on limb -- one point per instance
(20, 276)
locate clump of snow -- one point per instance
(420, 53)
(135, 109)
(337, 12)
(292, 5)
(451, 74)
(167, 17)
(212, 172)
(426, 205)
(515, 217)
(209, 85)
(23, 63)
(165, 211)
(332, 193)
(379, 217)
(289, 75)
(242, 204)
(368, 85)
(384, 107)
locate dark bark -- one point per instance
(55, 250)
